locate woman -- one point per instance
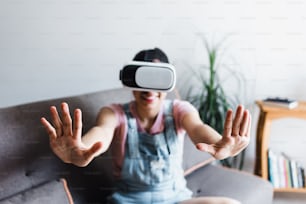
(146, 137)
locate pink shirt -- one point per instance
(180, 108)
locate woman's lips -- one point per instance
(149, 98)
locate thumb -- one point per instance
(93, 151)
(206, 148)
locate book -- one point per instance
(285, 172)
(301, 176)
(291, 170)
(281, 102)
(282, 171)
(294, 174)
(273, 169)
(288, 173)
(297, 172)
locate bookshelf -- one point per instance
(267, 115)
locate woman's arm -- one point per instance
(103, 131)
(235, 135)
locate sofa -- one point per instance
(31, 173)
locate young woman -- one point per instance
(146, 139)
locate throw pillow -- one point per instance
(55, 191)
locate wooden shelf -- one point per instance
(290, 190)
(269, 113)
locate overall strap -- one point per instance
(170, 131)
(132, 147)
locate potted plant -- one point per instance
(210, 98)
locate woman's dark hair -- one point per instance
(150, 55)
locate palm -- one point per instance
(228, 146)
(235, 136)
(67, 148)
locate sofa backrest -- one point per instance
(26, 159)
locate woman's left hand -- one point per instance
(236, 135)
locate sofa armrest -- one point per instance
(213, 180)
(194, 159)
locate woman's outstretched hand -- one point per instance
(236, 135)
(65, 137)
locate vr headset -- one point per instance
(148, 76)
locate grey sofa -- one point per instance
(30, 173)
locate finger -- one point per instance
(249, 126)
(67, 121)
(206, 148)
(49, 128)
(77, 123)
(244, 124)
(237, 121)
(227, 131)
(56, 121)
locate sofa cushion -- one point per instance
(55, 191)
(215, 180)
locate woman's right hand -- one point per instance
(65, 137)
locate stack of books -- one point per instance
(285, 172)
(281, 102)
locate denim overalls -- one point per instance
(152, 170)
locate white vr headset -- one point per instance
(148, 76)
